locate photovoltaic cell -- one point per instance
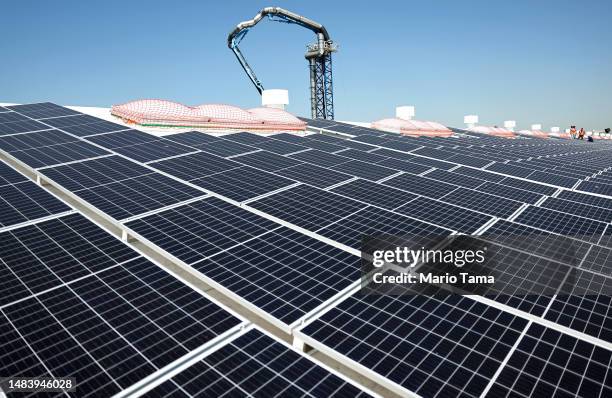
(279, 147)
(593, 200)
(307, 207)
(456, 179)
(22, 126)
(199, 229)
(445, 215)
(243, 183)
(374, 194)
(375, 222)
(245, 138)
(364, 170)
(192, 138)
(154, 150)
(439, 164)
(405, 166)
(510, 193)
(42, 110)
(421, 185)
(483, 202)
(431, 346)
(58, 154)
(195, 165)
(528, 186)
(100, 127)
(226, 148)
(341, 142)
(562, 223)
(320, 158)
(510, 169)
(8, 117)
(548, 363)
(284, 273)
(362, 156)
(9, 175)
(595, 187)
(468, 160)
(45, 255)
(579, 209)
(553, 179)
(481, 174)
(26, 201)
(137, 195)
(39, 139)
(256, 364)
(319, 177)
(267, 161)
(75, 120)
(122, 139)
(598, 260)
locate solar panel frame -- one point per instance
(483, 202)
(58, 154)
(374, 194)
(42, 110)
(267, 161)
(319, 158)
(421, 185)
(23, 126)
(195, 165)
(25, 202)
(365, 170)
(310, 174)
(566, 224)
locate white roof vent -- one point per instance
(536, 127)
(555, 129)
(275, 98)
(470, 120)
(404, 112)
(510, 124)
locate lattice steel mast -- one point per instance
(318, 55)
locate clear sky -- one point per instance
(534, 61)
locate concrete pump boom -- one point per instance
(318, 56)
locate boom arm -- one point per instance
(275, 14)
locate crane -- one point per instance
(318, 55)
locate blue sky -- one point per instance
(534, 61)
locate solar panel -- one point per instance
(91, 173)
(267, 161)
(307, 207)
(137, 195)
(509, 169)
(469, 160)
(373, 221)
(245, 138)
(595, 187)
(125, 328)
(430, 346)
(400, 145)
(510, 193)
(50, 253)
(565, 224)
(26, 201)
(283, 273)
(256, 364)
(405, 166)
(434, 153)
(74, 120)
(39, 139)
(548, 363)
(195, 165)
(320, 158)
(415, 159)
(364, 170)
(445, 215)
(421, 185)
(528, 186)
(454, 178)
(341, 141)
(319, 177)
(553, 179)
(42, 110)
(192, 138)
(279, 147)
(226, 148)
(585, 305)
(361, 155)
(8, 117)
(307, 142)
(100, 127)
(22, 126)
(483, 202)
(150, 151)
(371, 139)
(243, 183)
(579, 209)
(58, 154)
(9, 175)
(122, 138)
(374, 194)
(194, 231)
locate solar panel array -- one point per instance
(276, 222)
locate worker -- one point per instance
(573, 132)
(581, 133)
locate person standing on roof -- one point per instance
(581, 133)
(573, 132)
